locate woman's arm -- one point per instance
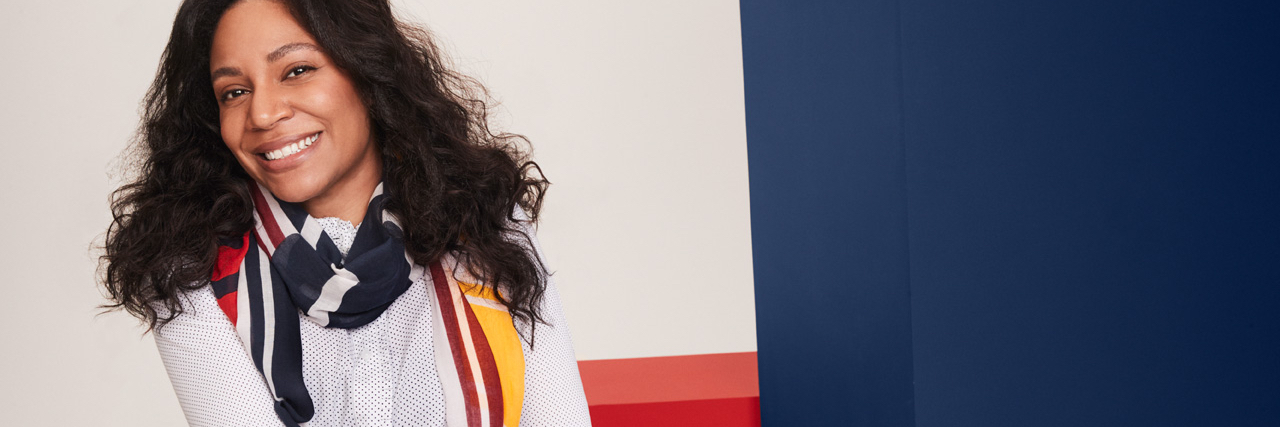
(553, 395)
(211, 372)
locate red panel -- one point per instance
(734, 412)
(228, 305)
(669, 379)
(229, 258)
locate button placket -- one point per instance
(371, 392)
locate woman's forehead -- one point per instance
(256, 30)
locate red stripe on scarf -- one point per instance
(228, 305)
(454, 331)
(229, 259)
(267, 217)
(488, 367)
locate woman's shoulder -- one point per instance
(197, 304)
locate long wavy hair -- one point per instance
(455, 184)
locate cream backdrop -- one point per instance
(635, 110)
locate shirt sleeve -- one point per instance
(212, 374)
(553, 395)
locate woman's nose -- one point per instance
(267, 107)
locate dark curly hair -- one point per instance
(455, 184)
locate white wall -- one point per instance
(635, 110)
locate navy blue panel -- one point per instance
(828, 212)
(1093, 209)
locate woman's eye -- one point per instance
(297, 71)
(233, 94)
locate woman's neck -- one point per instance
(348, 199)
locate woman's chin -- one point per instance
(292, 191)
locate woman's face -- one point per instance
(291, 117)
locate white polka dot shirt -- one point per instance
(380, 374)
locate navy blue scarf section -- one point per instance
(308, 274)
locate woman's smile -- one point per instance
(290, 147)
(284, 154)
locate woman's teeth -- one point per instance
(293, 148)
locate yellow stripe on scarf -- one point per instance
(508, 354)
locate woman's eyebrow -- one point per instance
(224, 72)
(274, 56)
(281, 51)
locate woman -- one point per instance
(324, 231)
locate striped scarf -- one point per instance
(296, 268)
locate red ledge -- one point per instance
(674, 391)
(734, 412)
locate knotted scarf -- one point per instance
(287, 265)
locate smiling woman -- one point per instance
(323, 230)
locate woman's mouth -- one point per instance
(291, 149)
